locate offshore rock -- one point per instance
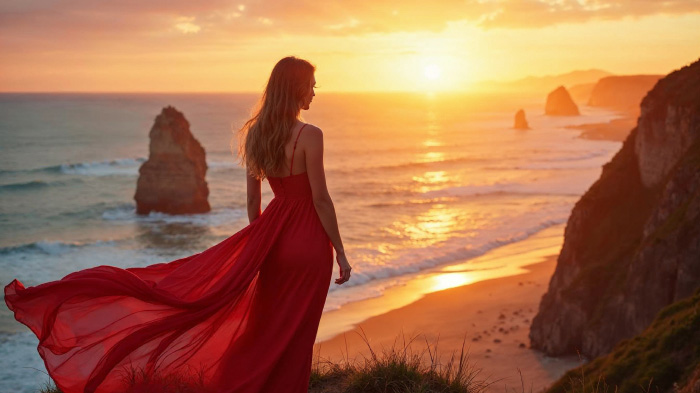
(521, 121)
(172, 180)
(559, 103)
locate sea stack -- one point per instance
(559, 103)
(172, 179)
(521, 121)
(632, 242)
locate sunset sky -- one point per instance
(359, 45)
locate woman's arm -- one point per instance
(313, 152)
(317, 179)
(254, 197)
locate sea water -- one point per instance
(418, 181)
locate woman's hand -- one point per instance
(344, 268)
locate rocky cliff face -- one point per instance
(632, 242)
(172, 179)
(622, 92)
(559, 103)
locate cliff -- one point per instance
(559, 103)
(664, 354)
(622, 92)
(172, 180)
(632, 242)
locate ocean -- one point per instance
(418, 181)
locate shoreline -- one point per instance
(489, 311)
(614, 130)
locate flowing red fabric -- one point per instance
(242, 315)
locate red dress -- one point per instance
(241, 316)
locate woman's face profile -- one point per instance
(306, 101)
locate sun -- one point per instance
(432, 71)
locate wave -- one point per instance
(561, 187)
(412, 202)
(52, 247)
(36, 184)
(408, 165)
(437, 258)
(120, 166)
(28, 185)
(117, 166)
(126, 213)
(95, 168)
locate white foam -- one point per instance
(127, 214)
(124, 167)
(118, 166)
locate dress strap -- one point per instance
(294, 149)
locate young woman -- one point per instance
(240, 316)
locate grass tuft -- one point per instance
(398, 369)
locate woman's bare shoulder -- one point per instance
(312, 129)
(314, 135)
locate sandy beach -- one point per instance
(493, 314)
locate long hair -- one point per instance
(262, 138)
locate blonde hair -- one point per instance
(262, 138)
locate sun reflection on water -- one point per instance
(432, 180)
(432, 156)
(431, 227)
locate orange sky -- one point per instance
(358, 45)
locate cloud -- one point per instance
(71, 25)
(331, 16)
(186, 25)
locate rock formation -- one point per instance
(521, 121)
(622, 92)
(663, 355)
(559, 103)
(632, 242)
(172, 179)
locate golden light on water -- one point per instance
(432, 180)
(433, 226)
(432, 177)
(432, 156)
(432, 143)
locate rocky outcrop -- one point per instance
(632, 242)
(172, 180)
(520, 121)
(559, 103)
(624, 93)
(663, 358)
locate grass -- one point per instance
(396, 369)
(666, 353)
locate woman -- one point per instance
(240, 316)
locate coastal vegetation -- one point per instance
(663, 357)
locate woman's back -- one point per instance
(294, 152)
